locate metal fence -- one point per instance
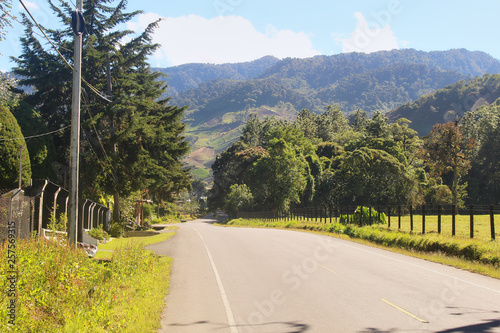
(43, 202)
(473, 221)
(16, 215)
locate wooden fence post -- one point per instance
(492, 223)
(439, 218)
(399, 217)
(388, 217)
(411, 218)
(453, 221)
(471, 212)
(423, 219)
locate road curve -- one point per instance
(266, 280)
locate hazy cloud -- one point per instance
(222, 39)
(370, 37)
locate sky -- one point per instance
(229, 31)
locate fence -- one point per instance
(35, 210)
(471, 221)
(16, 215)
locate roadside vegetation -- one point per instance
(144, 238)
(59, 289)
(480, 256)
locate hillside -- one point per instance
(189, 76)
(220, 97)
(448, 103)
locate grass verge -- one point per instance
(59, 289)
(474, 255)
(105, 251)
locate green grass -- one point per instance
(481, 256)
(59, 289)
(482, 229)
(144, 238)
(201, 173)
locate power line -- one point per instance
(36, 136)
(60, 55)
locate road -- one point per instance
(265, 280)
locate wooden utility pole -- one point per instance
(20, 167)
(78, 25)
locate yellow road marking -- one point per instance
(404, 311)
(328, 269)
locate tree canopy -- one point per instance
(132, 139)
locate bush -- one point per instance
(362, 216)
(98, 233)
(116, 230)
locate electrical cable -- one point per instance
(60, 55)
(37, 136)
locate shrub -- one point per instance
(116, 230)
(98, 233)
(362, 216)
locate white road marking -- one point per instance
(225, 301)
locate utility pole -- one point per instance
(20, 166)
(78, 25)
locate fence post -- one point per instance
(439, 218)
(492, 223)
(411, 218)
(423, 219)
(370, 222)
(399, 217)
(388, 216)
(471, 212)
(453, 215)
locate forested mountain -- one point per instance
(221, 97)
(449, 103)
(189, 76)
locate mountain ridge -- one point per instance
(221, 97)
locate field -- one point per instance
(482, 228)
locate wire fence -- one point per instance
(40, 207)
(474, 221)
(16, 215)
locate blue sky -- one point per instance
(220, 31)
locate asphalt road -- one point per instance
(264, 280)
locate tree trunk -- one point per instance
(116, 207)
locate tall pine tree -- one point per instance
(132, 141)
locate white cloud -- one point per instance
(223, 39)
(30, 5)
(370, 37)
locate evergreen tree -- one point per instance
(331, 122)
(11, 141)
(5, 17)
(134, 139)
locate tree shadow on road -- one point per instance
(285, 327)
(489, 326)
(486, 327)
